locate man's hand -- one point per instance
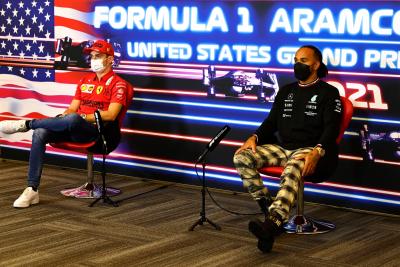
(251, 142)
(311, 160)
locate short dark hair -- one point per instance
(323, 69)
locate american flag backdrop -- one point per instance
(30, 87)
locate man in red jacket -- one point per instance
(102, 90)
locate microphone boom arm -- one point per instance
(213, 143)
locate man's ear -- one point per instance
(316, 66)
(110, 59)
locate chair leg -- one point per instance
(89, 189)
(301, 224)
(89, 167)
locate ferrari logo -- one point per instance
(99, 89)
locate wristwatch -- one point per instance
(256, 136)
(320, 150)
(83, 115)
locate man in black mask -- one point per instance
(299, 134)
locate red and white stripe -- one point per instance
(74, 18)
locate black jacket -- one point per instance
(304, 117)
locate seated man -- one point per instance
(299, 134)
(102, 90)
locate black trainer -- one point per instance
(266, 231)
(265, 245)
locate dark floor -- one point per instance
(151, 230)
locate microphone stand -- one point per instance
(106, 199)
(203, 218)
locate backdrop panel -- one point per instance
(199, 65)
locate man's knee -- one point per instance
(74, 120)
(40, 134)
(236, 158)
(243, 159)
(73, 117)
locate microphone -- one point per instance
(100, 128)
(214, 142)
(99, 121)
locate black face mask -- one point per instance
(302, 71)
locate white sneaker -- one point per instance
(13, 126)
(27, 198)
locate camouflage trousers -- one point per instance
(247, 164)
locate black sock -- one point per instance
(34, 188)
(27, 124)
